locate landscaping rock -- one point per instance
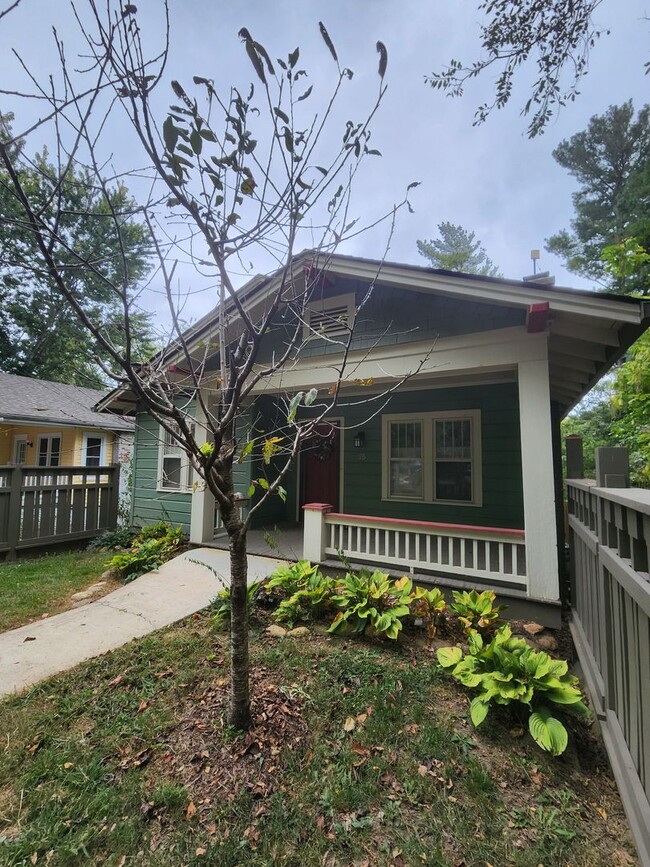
(546, 641)
(108, 575)
(533, 628)
(98, 585)
(81, 595)
(276, 631)
(299, 632)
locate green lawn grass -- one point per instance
(363, 755)
(30, 588)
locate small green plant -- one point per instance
(288, 579)
(476, 611)
(151, 547)
(507, 670)
(371, 599)
(429, 605)
(221, 606)
(309, 602)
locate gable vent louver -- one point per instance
(332, 322)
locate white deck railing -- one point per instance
(484, 554)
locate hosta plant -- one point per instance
(371, 599)
(308, 602)
(507, 670)
(151, 547)
(476, 611)
(287, 579)
(429, 605)
(221, 606)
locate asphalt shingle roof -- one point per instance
(24, 398)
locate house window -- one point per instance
(49, 450)
(173, 465)
(330, 318)
(94, 450)
(21, 444)
(433, 458)
(406, 460)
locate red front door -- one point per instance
(320, 467)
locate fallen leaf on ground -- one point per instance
(29, 638)
(349, 724)
(191, 810)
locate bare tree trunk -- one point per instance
(239, 713)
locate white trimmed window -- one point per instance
(21, 444)
(173, 464)
(433, 457)
(49, 451)
(330, 318)
(94, 450)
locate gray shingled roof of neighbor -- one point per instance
(32, 400)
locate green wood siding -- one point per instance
(393, 316)
(501, 458)
(149, 504)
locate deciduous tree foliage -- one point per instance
(38, 336)
(611, 162)
(553, 36)
(457, 250)
(234, 174)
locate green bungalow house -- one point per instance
(456, 478)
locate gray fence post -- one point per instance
(575, 465)
(612, 467)
(13, 525)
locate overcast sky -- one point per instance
(490, 179)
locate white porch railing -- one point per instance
(484, 554)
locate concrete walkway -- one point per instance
(32, 653)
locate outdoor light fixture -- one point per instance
(359, 440)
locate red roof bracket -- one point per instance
(537, 317)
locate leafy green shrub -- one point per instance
(429, 605)
(222, 604)
(476, 611)
(371, 599)
(150, 548)
(300, 592)
(110, 540)
(507, 670)
(309, 602)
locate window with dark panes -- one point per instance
(94, 451)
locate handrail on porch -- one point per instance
(426, 525)
(495, 554)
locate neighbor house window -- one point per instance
(94, 450)
(21, 444)
(49, 450)
(174, 467)
(433, 457)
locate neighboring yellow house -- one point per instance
(48, 424)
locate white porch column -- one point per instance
(202, 515)
(537, 473)
(313, 548)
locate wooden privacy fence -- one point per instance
(42, 506)
(609, 532)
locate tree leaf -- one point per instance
(327, 40)
(196, 141)
(306, 94)
(281, 114)
(383, 59)
(293, 57)
(293, 406)
(170, 134)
